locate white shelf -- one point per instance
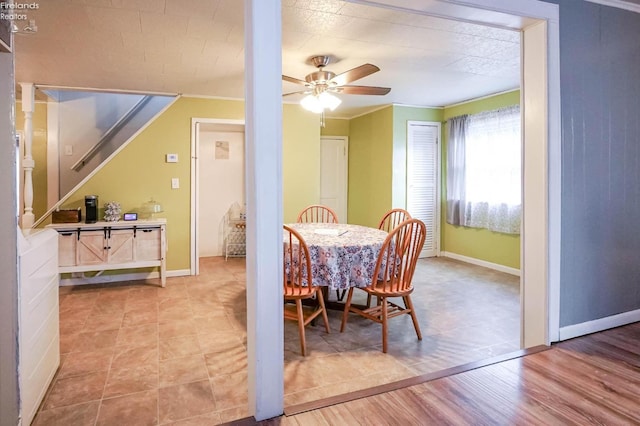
(234, 238)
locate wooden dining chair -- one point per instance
(390, 220)
(392, 277)
(317, 213)
(393, 218)
(298, 285)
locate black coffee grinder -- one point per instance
(91, 208)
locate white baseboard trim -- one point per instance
(102, 279)
(576, 330)
(484, 263)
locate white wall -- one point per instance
(221, 184)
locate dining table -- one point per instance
(342, 255)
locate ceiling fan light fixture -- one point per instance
(318, 103)
(327, 100)
(312, 103)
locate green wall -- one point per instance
(370, 166)
(378, 167)
(140, 172)
(39, 154)
(483, 244)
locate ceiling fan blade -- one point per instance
(363, 90)
(295, 93)
(354, 74)
(293, 80)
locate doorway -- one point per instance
(217, 183)
(423, 180)
(334, 165)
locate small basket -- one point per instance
(66, 216)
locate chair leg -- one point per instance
(409, 304)
(347, 305)
(324, 311)
(368, 300)
(385, 324)
(303, 343)
(340, 294)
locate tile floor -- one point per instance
(134, 353)
(466, 313)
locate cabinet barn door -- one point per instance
(91, 247)
(148, 244)
(120, 246)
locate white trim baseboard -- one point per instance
(138, 276)
(576, 330)
(479, 262)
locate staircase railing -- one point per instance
(109, 134)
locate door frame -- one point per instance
(346, 171)
(195, 185)
(541, 115)
(438, 206)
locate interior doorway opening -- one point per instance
(217, 185)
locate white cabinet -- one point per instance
(112, 245)
(39, 326)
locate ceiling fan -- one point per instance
(320, 84)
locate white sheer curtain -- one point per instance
(492, 170)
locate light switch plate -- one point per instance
(172, 158)
(175, 183)
(68, 150)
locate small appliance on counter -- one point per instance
(91, 208)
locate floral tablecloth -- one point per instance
(342, 255)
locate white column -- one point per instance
(263, 115)
(28, 101)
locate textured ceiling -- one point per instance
(196, 47)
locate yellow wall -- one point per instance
(483, 244)
(140, 172)
(370, 163)
(300, 160)
(39, 154)
(377, 145)
(335, 127)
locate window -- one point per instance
(484, 169)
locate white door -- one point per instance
(333, 174)
(423, 182)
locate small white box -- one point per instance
(172, 158)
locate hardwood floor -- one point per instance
(593, 379)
